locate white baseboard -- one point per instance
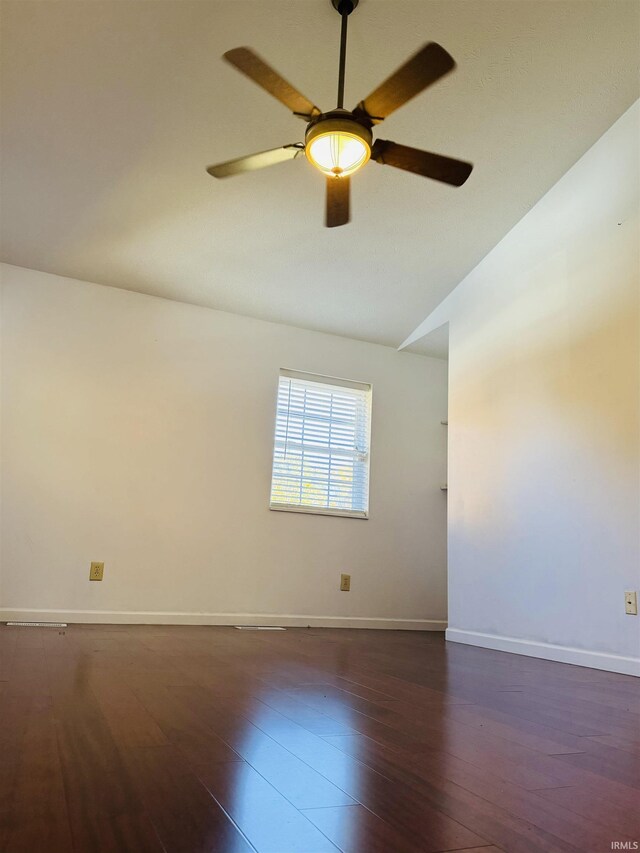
(126, 617)
(547, 651)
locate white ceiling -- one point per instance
(112, 110)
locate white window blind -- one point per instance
(321, 450)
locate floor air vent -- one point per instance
(37, 624)
(258, 628)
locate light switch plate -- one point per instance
(345, 583)
(631, 603)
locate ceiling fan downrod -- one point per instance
(344, 8)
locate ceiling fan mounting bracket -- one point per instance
(344, 7)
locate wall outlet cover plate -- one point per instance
(96, 571)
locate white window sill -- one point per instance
(314, 510)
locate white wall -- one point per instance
(544, 440)
(139, 431)
(0, 436)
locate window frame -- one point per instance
(323, 379)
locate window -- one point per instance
(321, 450)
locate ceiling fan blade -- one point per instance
(255, 161)
(250, 64)
(435, 166)
(337, 212)
(429, 64)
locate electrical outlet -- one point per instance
(631, 603)
(345, 583)
(96, 571)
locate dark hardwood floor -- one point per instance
(212, 740)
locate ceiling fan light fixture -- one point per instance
(338, 147)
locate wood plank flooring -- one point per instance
(144, 739)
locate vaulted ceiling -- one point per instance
(112, 109)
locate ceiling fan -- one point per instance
(340, 142)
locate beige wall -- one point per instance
(139, 431)
(544, 426)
